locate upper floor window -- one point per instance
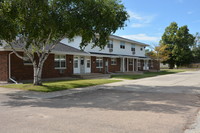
(110, 44)
(122, 45)
(132, 47)
(141, 49)
(99, 62)
(60, 62)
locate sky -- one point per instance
(149, 18)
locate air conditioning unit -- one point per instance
(61, 71)
(133, 52)
(110, 50)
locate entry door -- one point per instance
(82, 65)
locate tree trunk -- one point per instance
(37, 74)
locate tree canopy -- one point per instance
(38, 25)
(177, 42)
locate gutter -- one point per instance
(10, 69)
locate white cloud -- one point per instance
(190, 12)
(142, 37)
(140, 20)
(138, 25)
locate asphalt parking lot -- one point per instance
(163, 104)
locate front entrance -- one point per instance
(82, 65)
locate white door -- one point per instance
(82, 64)
(76, 64)
(87, 65)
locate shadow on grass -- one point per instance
(61, 85)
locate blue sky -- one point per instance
(149, 18)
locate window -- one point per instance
(151, 64)
(60, 61)
(99, 62)
(141, 49)
(113, 61)
(70, 40)
(27, 61)
(75, 62)
(133, 47)
(110, 44)
(130, 61)
(88, 63)
(139, 63)
(122, 45)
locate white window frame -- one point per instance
(110, 44)
(60, 60)
(113, 61)
(28, 62)
(100, 62)
(133, 47)
(76, 61)
(122, 45)
(139, 63)
(88, 61)
(130, 62)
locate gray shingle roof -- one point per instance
(60, 47)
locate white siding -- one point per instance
(75, 43)
(116, 47)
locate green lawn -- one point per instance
(149, 74)
(61, 85)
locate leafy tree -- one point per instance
(178, 41)
(196, 49)
(38, 25)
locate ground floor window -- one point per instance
(75, 62)
(130, 61)
(27, 61)
(88, 63)
(99, 62)
(113, 61)
(139, 63)
(60, 61)
(151, 64)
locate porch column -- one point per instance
(133, 64)
(136, 64)
(144, 68)
(127, 64)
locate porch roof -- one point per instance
(118, 55)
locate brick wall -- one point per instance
(20, 71)
(111, 68)
(3, 66)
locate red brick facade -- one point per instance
(111, 68)
(3, 66)
(20, 71)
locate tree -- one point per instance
(178, 41)
(38, 25)
(196, 49)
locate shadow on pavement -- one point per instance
(137, 99)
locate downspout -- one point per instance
(10, 69)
